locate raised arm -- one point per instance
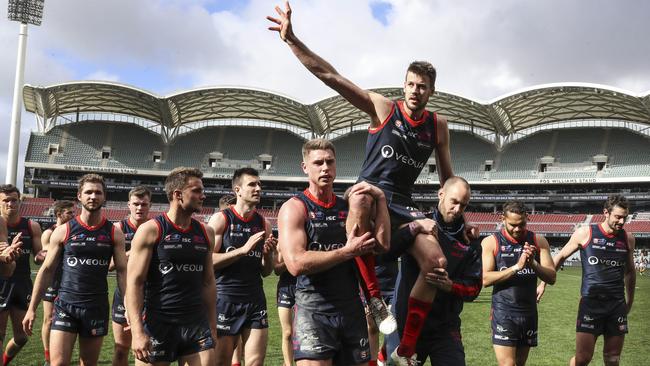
(375, 105)
(45, 274)
(545, 268)
(630, 272)
(136, 274)
(293, 243)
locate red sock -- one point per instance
(417, 311)
(381, 356)
(372, 363)
(47, 355)
(366, 265)
(236, 364)
(6, 359)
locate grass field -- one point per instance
(557, 314)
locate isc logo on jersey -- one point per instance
(165, 268)
(74, 261)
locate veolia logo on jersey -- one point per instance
(608, 262)
(316, 246)
(524, 271)
(74, 261)
(252, 253)
(165, 268)
(387, 152)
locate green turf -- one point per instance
(557, 314)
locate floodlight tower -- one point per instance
(25, 12)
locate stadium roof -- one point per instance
(505, 115)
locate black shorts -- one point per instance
(342, 338)
(87, 321)
(118, 311)
(441, 348)
(170, 341)
(15, 293)
(606, 316)
(232, 317)
(402, 209)
(50, 294)
(514, 330)
(286, 295)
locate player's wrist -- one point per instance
(516, 268)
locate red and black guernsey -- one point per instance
(22, 271)
(604, 257)
(335, 288)
(129, 232)
(241, 281)
(518, 293)
(398, 149)
(87, 252)
(174, 285)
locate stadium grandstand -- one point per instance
(561, 148)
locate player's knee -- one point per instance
(21, 340)
(360, 202)
(286, 334)
(434, 261)
(611, 359)
(121, 351)
(582, 358)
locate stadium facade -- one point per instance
(561, 148)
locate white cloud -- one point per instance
(482, 49)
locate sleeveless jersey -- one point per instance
(518, 293)
(87, 252)
(335, 288)
(397, 150)
(241, 281)
(129, 232)
(174, 286)
(22, 271)
(603, 257)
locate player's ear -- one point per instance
(303, 166)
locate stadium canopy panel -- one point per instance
(504, 116)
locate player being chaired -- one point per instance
(402, 136)
(607, 257)
(330, 326)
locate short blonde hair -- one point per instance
(317, 144)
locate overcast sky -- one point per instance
(482, 49)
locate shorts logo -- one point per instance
(587, 318)
(363, 342)
(155, 342)
(531, 333)
(621, 319)
(501, 329)
(387, 151)
(165, 268)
